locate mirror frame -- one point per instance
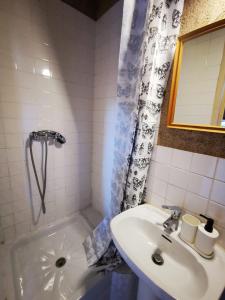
(176, 76)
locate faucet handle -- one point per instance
(176, 209)
(171, 207)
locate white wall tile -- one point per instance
(16, 168)
(163, 154)
(181, 159)
(6, 196)
(221, 240)
(4, 183)
(9, 233)
(199, 185)
(7, 221)
(3, 156)
(22, 215)
(2, 141)
(218, 192)
(178, 177)
(14, 140)
(195, 203)
(161, 171)
(175, 195)
(6, 209)
(4, 170)
(22, 228)
(220, 170)
(158, 187)
(203, 164)
(217, 212)
(15, 154)
(155, 199)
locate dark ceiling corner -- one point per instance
(94, 9)
(87, 7)
(102, 6)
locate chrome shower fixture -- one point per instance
(43, 136)
(49, 134)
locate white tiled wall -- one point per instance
(193, 181)
(107, 44)
(46, 82)
(200, 68)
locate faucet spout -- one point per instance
(171, 224)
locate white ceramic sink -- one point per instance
(137, 233)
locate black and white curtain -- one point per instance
(148, 39)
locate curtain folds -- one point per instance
(149, 32)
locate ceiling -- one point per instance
(92, 8)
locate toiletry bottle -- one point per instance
(206, 236)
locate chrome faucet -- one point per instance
(171, 224)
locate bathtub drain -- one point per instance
(60, 262)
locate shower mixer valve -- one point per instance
(52, 135)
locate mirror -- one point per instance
(197, 98)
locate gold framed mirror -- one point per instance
(197, 95)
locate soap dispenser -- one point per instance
(206, 236)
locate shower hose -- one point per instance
(41, 192)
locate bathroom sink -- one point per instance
(138, 232)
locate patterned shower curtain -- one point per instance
(148, 39)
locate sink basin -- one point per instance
(138, 232)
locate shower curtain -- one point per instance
(149, 32)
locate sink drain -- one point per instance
(60, 262)
(157, 258)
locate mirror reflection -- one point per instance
(201, 88)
